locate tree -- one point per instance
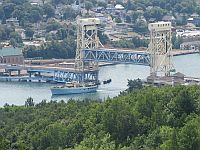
(123, 44)
(130, 5)
(101, 142)
(176, 41)
(8, 8)
(49, 10)
(190, 136)
(141, 27)
(102, 4)
(135, 84)
(69, 13)
(2, 15)
(35, 16)
(29, 33)
(29, 102)
(118, 20)
(155, 12)
(52, 26)
(134, 16)
(56, 2)
(88, 6)
(13, 42)
(16, 37)
(43, 1)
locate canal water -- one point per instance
(17, 92)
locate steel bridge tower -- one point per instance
(86, 39)
(160, 48)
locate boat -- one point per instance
(74, 88)
(107, 81)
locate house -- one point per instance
(11, 55)
(194, 15)
(194, 45)
(21, 32)
(152, 20)
(36, 2)
(102, 17)
(12, 22)
(195, 21)
(110, 9)
(169, 18)
(178, 75)
(98, 9)
(189, 36)
(119, 7)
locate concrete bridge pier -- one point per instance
(39, 75)
(19, 72)
(10, 74)
(30, 76)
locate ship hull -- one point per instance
(78, 90)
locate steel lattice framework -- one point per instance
(87, 76)
(114, 56)
(160, 48)
(86, 39)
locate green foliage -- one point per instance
(176, 41)
(141, 27)
(123, 44)
(88, 5)
(53, 49)
(70, 13)
(134, 85)
(135, 42)
(118, 20)
(29, 33)
(155, 12)
(49, 10)
(52, 26)
(166, 118)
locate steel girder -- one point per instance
(87, 76)
(113, 56)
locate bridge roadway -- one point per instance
(63, 74)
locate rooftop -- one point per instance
(10, 51)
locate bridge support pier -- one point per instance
(30, 76)
(19, 72)
(10, 73)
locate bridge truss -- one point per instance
(114, 56)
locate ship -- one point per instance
(74, 88)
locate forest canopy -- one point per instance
(166, 118)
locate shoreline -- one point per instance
(184, 52)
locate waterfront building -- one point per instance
(169, 18)
(11, 55)
(194, 45)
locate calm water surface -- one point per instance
(16, 92)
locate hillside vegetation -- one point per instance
(166, 118)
